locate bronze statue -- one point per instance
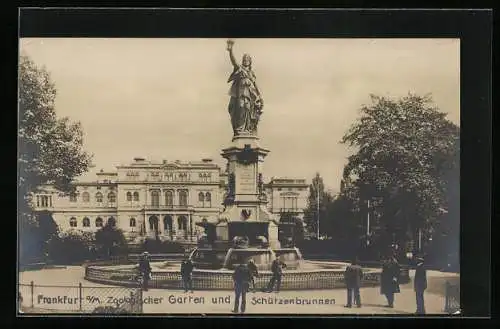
(246, 103)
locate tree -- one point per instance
(403, 152)
(292, 227)
(72, 246)
(50, 150)
(110, 240)
(317, 188)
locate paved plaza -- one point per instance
(158, 301)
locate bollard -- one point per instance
(80, 291)
(32, 294)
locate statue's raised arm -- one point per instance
(245, 105)
(230, 44)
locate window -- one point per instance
(208, 199)
(72, 222)
(98, 222)
(111, 221)
(182, 223)
(72, 197)
(132, 222)
(183, 198)
(136, 196)
(129, 196)
(38, 201)
(111, 197)
(169, 198)
(201, 197)
(155, 198)
(45, 200)
(98, 197)
(85, 197)
(86, 222)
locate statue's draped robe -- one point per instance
(243, 106)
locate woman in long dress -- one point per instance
(245, 105)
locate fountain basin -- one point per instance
(166, 275)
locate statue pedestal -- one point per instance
(246, 212)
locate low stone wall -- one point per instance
(222, 279)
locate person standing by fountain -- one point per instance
(353, 276)
(389, 284)
(241, 278)
(145, 269)
(254, 272)
(420, 284)
(186, 274)
(277, 270)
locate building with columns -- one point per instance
(165, 199)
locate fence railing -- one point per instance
(33, 298)
(222, 279)
(452, 298)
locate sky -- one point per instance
(167, 98)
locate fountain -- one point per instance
(245, 229)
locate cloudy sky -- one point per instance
(167, 98)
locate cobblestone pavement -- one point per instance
(326, 302)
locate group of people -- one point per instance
(244, 280)
(389, 282)
(186, 272)
(244, 276)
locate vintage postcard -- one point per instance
(247, 176)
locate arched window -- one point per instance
(86, 222)
(182, 223)
(208, 197)
(169, 198)
(129, 196)
(167, 223)
(136, 196)
(98, 197)
(98, 222)
(153, 223)
(183, 198)
(85, 197)
(72, 222)
(72, 197)
(111, 221)
(155, 198)
(201, 197)
(111, 197)
(132, 222)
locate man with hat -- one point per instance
(145, 269)
(420, 284)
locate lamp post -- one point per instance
(368, 223)
(317, 211)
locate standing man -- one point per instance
(353, 276)
(186, 274)
(390, 280)
(241, 278)
(277, 270)
(420, 284)
(254, 272)
(145, 269)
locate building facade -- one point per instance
(164, 199)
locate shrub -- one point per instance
(154, 246)
(73, 246)
(111, 241)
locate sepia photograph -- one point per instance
(239, 176)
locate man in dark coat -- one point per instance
(145, 269)
(277, 272)
(353, 276)
(241, 278)
(390, 280)
(186, 274)
(420, 284)
(254, 272)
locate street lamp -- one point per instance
(368, 223)
(317, 211)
